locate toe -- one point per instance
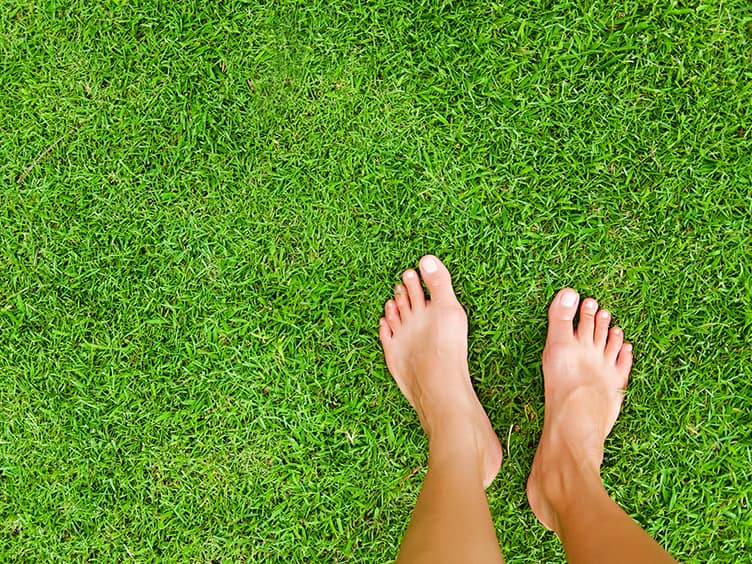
(560, 316)
(586, 326)
(624, 363)
(438, 280)
(613, 346)
(392, 315)
(385, 332)
(602, 321)
(402, 300)
(414, 290)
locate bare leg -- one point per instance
(425, 345)
(584, 371)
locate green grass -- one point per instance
(191, 278)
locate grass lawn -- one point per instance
(204, 209)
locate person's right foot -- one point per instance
(585, 373)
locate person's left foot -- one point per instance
(425, 346)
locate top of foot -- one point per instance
(425, 347)
(585, 374)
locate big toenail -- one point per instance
(568, 299)
(429, 265)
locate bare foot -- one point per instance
(425, 345)
(585, 374)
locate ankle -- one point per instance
(457, 456)
(455, 434)
(448, 414)
(567, 481)
(455, 430)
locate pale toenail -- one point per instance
(410, 274)
(568, 299)
(399, 290)
(603, 314)
(591, 304)
(429, 265)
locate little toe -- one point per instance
(392, 315)
(560, 316)
(624, 363)
(613, 346)
(402, 300)
(586, 326)
(602, 321)
(437, 279)
(385, 332)
(414, 290)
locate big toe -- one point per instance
(560, 316)
(437, 279)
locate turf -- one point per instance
(205, 207)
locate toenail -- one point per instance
(429, 265)
(592, 304)
(399, 290)
(410, 274)
(568, 299)
(603, 314)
